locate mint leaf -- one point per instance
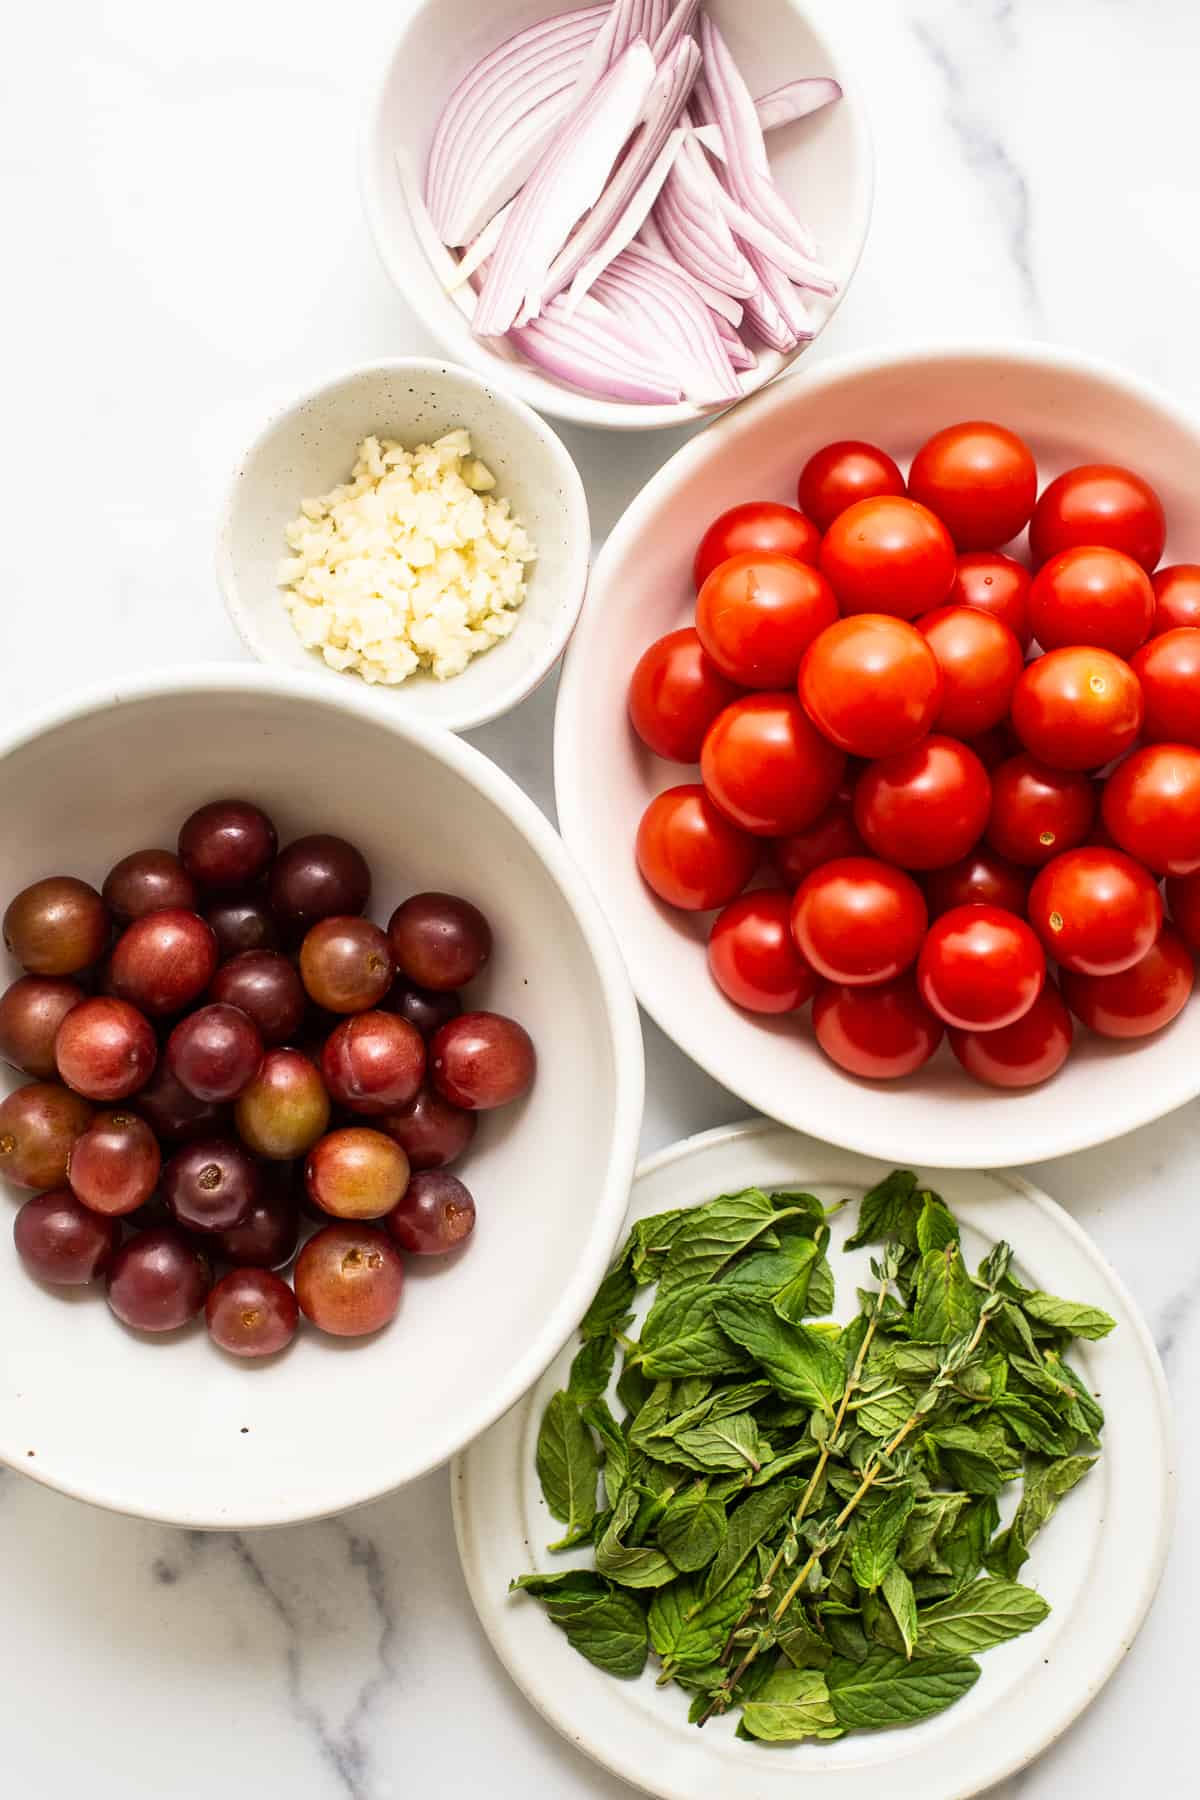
(692, 1529)
(630, 1566)
(650, 1243)
(947, 1303)
(970, 1455)
(591, 1371)
(727, 1443)
(877, 1537)
(1065, 1315)
(889, 1210)
(885, 1689)
(1046, 1483)
(801, 1362)
(610, 1632)
(681, 1337)
(567, 1466)
(599, 1419)
(755, 1521)
(792, 1705)
(713, 1235)
(936, 1225)
(901, 1603)
(569, 1586)
(929, 1520)
(689, 1628)
(986, 1613)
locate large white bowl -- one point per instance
(310, 447)
(171, 1428)
(1071, 409)
(823, 164)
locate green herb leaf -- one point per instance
(970, 1455)
(1065, 1315)
(597, 1416)
(936, 1226)
(631, 1567)
(681, 1337)
(821, 1290)
(610, 1632)
(930, 1519)
(800, 1361)
(568, 1466)
(713, 1235)
(692, 1529)
(947, 1303)
(592, 1369)
(986, 1613)
(885, 1689)
(901, 1602)
(888, 1210)
(611, 1309)
(792, 1705)
(752, 1523)
(729, 1443)
(689, 1628)
(877, 1537)
(650, 1242)
(1046, 1483)
(580, 1586)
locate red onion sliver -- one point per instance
(751, 230)
(593, 354)
(679, 314)
(651, 240)
(673, 29)
(795, 100)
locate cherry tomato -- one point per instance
(1038, 811)
(1168, 668)
(926, 807)
(980, 480)
(756, 525)
(1091, 595)
(758, 613)
(1023, 1054)
(1176, 596)
(871, 684)
(995, 746)
(981, 879)
(980, 660)
(857, 921)
(1099, 503)
(994, 584)
(767, 768)
(834, 478)
(1138, 1000)
(753, 956)
(690, 854)
(881, 1032)
(1078, 708)
(1152, 807)
(888, 556)
(1183, 898)
(834, 834)
(1096, 911)
(980, 968)
(675, 694)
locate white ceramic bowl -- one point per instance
(823, 164)
(170, 1428)
(1072, 410)
(310, 447)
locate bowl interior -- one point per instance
(311, 448)
(170, 1427)
(1070, 412)
(822, 164)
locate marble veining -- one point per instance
(186, 251)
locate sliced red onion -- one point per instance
(673, 29)
(767, 322)
(622, 27)
(675, 315)
(782, 106)
(690, 218)
(481, 248)
(440, 259)
(618, 214)
(593, 354)
(751, 230)
(486, 127)
(651, 238)
(568, 180)
(740, 355)
(786, 297)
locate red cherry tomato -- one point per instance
(980, 660)
(767, 768)
(994, 584)
(980, 968)
(980, 480)
(758, 525)
(1152, 807)
(1138, 1000)
(1022, 1054)
(840, 474)
(888, 556)
(1183, 898)
(871, 684)
(675, 694)
(758, 613)
(1091, 595)
(880, 1032)
(980, 879)
(1099, 503)
(753, 956)
(834, 834)
(1078, 708)
(1038, 811)
(1176, 596)
(1096, 911)
(690, 854)
(857, 921)
(1168, 668)
(926, 807)
(995, 746)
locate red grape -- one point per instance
(481, 1060)
(266, 1238)
(348, 1279)
(173, 1114)
(38, 1127)
(373, 1062)
(105, 1049)
(241, 922)
(439, 941)
(158, 1281)
(436, 1214)
(346, 964)
(115, 1163)
(356, 1173)
(285, 1109)
(318, 877)
(215, 1053)
(164, 961)
(146, 882)
(57, 927)
(31, 1011)
(421, 1006)
(251, 1312)
(266, 986)
(430, 1131)
(59, 1240)
(211, 1186)
(227, 844)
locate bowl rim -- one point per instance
(521, 379)
(724, 434)
(595, 1251)
(574, 508)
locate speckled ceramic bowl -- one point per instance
(310, 447)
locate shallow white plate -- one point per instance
(1072, 409)
(1117, 1521)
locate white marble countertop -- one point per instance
(185, 249)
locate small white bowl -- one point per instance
(310, 447)
(823, 164)
(170, 1428)
(1071, 409)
